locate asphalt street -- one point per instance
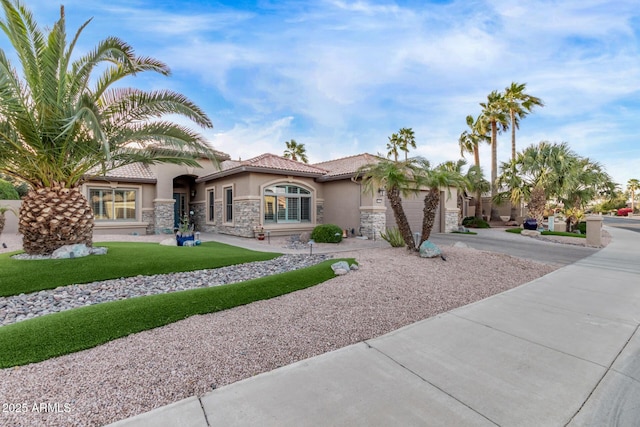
(498, 240)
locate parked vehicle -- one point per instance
(624, 211)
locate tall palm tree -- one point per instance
(494, 116)
(393, 146)
(446, 175)
(519, 104)
(59, 122)
(470, 141)
(407, 140)
(295, 151)
(633, 185)
(396, 178)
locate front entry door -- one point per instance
(179, 208)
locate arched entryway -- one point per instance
(183, 192)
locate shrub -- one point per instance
(473, 222)
(7, 192)
(393, 237)
(327, 233)
(582, 226)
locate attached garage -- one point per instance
(413, 206)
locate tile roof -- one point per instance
(135, 171)
(346, 166)
(268, 163)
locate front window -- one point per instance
(228, 203)
(286, 204)
(211, 207)
(113, 204)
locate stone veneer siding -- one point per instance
(149, 216)
(199, 216)
(246, 217)
(319, 213)
(163, 216)
(372, 223)
(451, 217)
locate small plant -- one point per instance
(185, 227)
(393, 237)
(473, 222)
(327, 233)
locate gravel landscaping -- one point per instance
(147, 370)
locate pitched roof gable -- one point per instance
(266, 163)
(346, 166)
(136, 172)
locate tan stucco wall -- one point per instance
(11, 219)
(342, 203)
(165, 174)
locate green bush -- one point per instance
(473, 222)
(327, 233)
(582, 226)
(7, 192)
(393, 237)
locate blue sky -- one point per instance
(341, 76)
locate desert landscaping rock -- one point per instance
(150, 369)
(26, 306)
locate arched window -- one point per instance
(285, 203)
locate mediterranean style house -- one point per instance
(268, 193)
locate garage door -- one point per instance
(413, 206)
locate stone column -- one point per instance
(451, 219)
(163, 215)
(594, 230)
(373, 221)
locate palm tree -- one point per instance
(446, 175)
(59, 122)
(494, 116)
(396, 179)
(519, 104)
(633, 185)
(407, 140)
(393, 146)
(295, 151)
(470, 143)
(477, 184)
(584, 181)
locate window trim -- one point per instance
(286, 195)
(227, 204)
(211, 204)
(137, 202)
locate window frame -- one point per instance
(288, 206)
(211, 204)
(114, 190)
(228, 204)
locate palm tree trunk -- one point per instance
(512, 115)
(479, 205)
(2, 221)
(431, 202)
(494, 170)
(52, 217)
(393, 194)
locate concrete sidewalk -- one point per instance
(561, 350)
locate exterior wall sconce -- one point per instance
(193, 193)
(381, 192)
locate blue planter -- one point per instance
(182, 239)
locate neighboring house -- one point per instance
(236, 197)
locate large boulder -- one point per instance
(169, 242)
(77, 250)
(429, 250)
(340, 268)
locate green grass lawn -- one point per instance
(69, 331)
(122, 260)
